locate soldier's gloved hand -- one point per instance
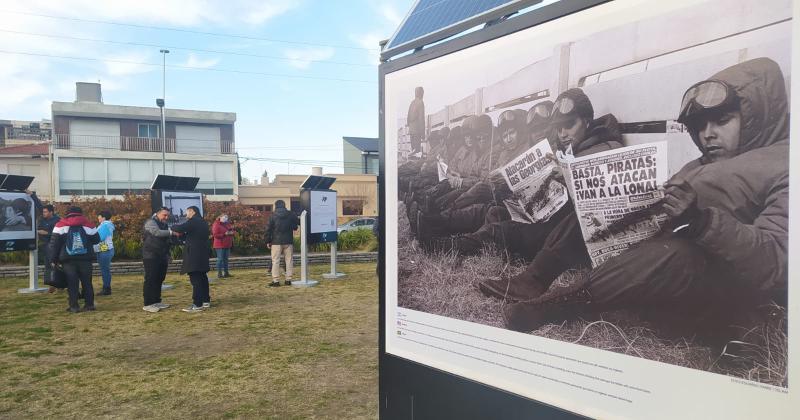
(680, 204)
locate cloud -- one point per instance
(390, 14)
(302, 58)
(261, 11)
(194, 61)
(171, 12)
(370, 41)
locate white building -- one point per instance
(106, 150)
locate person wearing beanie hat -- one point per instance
(71, 250)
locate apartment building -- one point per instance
(106, 150)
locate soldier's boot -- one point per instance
(530, 284)
(529, 316)
(429, 227)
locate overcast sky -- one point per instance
(299, 109)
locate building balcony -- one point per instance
(143, 144)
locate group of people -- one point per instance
(722, 255)
(72, 243)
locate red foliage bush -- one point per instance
(130, 213)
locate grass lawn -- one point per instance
(258, 353)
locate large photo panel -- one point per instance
(594, 212)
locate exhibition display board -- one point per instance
(651, 311)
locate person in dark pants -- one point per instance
(280, 241)
(724, 254)
(45, 231)
(576, 132)
(195, 257)
(71, 248)
(416, 120)
(156, 242)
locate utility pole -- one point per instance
(163, 112)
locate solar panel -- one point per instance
(174, 183)
(316, 182)
(15, 182)
(447, 17)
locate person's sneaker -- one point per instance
(206, 305)
(287, 283)
(89, 308)
(193, 309)
(105, 292)
(228, 275)
(151, 308)
(74, 309)
(274, 284)
(160, 305)
(51, 289)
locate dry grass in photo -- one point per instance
(447, 284)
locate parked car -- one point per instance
(356, 224)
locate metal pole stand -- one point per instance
(333, 275)
(304, 281)
(33, 275)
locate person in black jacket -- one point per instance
(71, 248)
(155, 257)
(280, 241)
(195, 257)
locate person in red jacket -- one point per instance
(222, 231)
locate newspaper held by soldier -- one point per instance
(617, 197)
(533, 178)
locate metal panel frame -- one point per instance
(452, 29)
(408, 389)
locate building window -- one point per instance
(148, 131)
(352, 207)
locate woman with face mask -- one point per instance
(222, 231)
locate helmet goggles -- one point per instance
(706, 95)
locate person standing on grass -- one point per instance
(156, 242)
(45, 231)
(280, 241)
(222, 231)
(105, 249)
(195, 258)
(71, 248)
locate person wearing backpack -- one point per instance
(71, 248)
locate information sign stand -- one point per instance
(33, 275)
(333, 275)
(304, 281)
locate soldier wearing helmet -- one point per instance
(576, 132)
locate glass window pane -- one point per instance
(184, 168)
(94, 170)
(140, 170)
(223, 171)
(117, 170)
(70, 169)
(143, 130)
(205, 171)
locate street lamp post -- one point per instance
(160, 103)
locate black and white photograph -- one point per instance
(662, 147)
(16, 216)
(178, 201)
